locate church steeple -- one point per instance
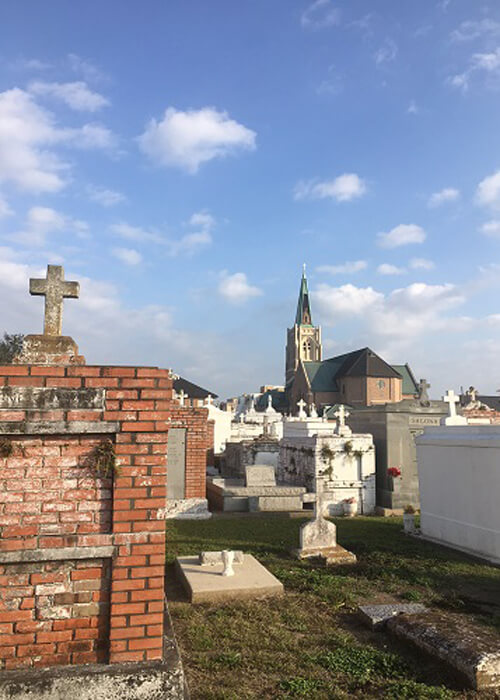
(304, 339)
(303, 316)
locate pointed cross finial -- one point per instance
(302, 404)
(303, 269)
(55, 289)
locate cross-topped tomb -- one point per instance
(55, 289)
(453, 419)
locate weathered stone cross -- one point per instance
(302, 404)
(341, 414)
(451, 399)
(55, 289)
(422, 390)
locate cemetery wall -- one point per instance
(82, 553)
(459, 485)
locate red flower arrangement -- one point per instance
(394, 472)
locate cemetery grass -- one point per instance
(309, 643)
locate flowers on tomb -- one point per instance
(394, 472)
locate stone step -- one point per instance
(470, 649)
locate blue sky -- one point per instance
(183, 159)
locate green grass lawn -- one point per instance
(309, 643)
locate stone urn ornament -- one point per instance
(227, 560)
(350, 507)
(409, 520)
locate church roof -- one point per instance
(410, 385)
(303, 315)
(323, 376)
(193, 391)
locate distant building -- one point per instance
(358, 378)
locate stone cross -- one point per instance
(422, 392)
(55, 290)
(182, 397)
(341, 414)
(473, 394)
(302, 404)
(451, 399)
(209, 400)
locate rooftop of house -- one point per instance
(193, 391)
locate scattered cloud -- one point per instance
(491, 228)
(343, 188)
(235, 288)
(86, 68)
(77, 96)
(413, 108)
(41, 222)
(332, 84)
(386, 53)
(404, 234)
(185, 140)
(128, 256)
(347, 268)
(30, 64)
(320, 15)
(421, 264)
(470, 30)
(188, 245)
(388, 269)
(28, 137)
(136, 233)
(5, 210)
(488, 191)
(346, 300)
(105, 197)
(448, 194)
(403, 314)
(443, 5)
(482, 64)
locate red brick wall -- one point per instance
(51, 498)
(196, 446)
(54, 613)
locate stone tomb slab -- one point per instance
(260, 475)
(470, 649)
(206, 584)
(375, 616)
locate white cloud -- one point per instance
(235, 288)
(105, 197)
(28, 135)
(76, 95)
(413, 108)
(5, 210)
(388, 269)
(319, 15)
(488, 191)
(448, 194)
(189, 244)
(386, 53)
(43, 221)
(347, 268)
(485, 64)
(475, 29)
(84, 67)
(421, 264)
(491, 228)
(343, 188)
(128, 256)
(404, 234)
(346, 300)
(185, 140)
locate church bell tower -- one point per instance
(304, 339)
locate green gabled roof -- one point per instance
(303, 317)
(410, 385)
(323, 376)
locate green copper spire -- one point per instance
(303, 317)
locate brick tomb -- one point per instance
(83, 494)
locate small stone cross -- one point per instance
(182, 397)
(55, 289)
(341, 414)
(209, 400)
(422, 392)
(451, 399)
(302, 404)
